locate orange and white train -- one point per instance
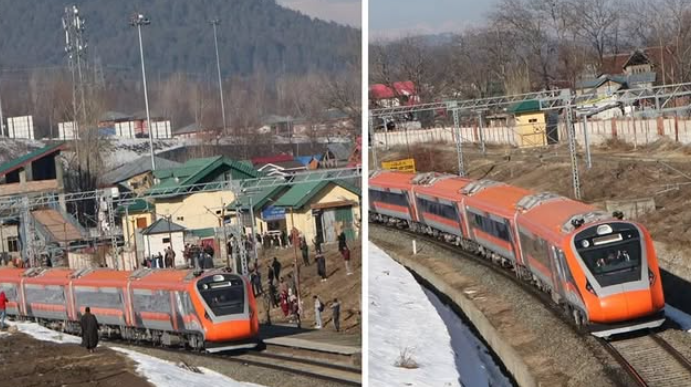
(169, 307)
(602, 269)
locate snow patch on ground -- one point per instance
(159, 372)
(681, 318)
(474, 362)
(401, 317)
(167, 374)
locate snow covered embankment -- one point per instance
(402, 319)
(159, 372)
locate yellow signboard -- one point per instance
(405, 165)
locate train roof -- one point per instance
(42, 276)
(393, 179)
(447, 187)
(101, 277)
(554, 216)
(11, 274)
(497, 197)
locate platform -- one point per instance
(311, 339)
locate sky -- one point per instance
(395, 18)
(347, 12)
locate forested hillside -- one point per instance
(254, 35)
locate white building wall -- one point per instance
(154, 244)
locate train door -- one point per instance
(558, 275)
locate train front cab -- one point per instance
(620, 282)
(228, 307)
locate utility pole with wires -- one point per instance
(215, 23)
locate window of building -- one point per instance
(12, 244)
(166, 240)
(532, 120)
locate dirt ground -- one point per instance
(27, 362)
(347, 288)
(660, 170)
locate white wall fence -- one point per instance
(636, 131)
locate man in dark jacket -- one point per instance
(277, 268)
(305, 251)
(336, 314)
(89, 330)
(342, 241)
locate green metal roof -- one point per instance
(259, 199)
(300, 194)
(12, 165)
(197, 171)
(137, 207)
(527, 106)
(203, 232)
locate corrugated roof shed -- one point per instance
(527, 106)
(162, 226)
(197, 171)
(134, 168)
(19, 162)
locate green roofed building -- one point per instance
(322, 208)
(530, 126)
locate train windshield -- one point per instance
(614, 258)
(223, 293)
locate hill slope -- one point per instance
(253, 35)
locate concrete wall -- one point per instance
(192, 211)
(636, 131)
(129, 225)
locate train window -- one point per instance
(398, 199)
(491, 226)
(536, 248)
(439, 209)
(109, 298)
(54, 295)
(224, 297)
(157, 301)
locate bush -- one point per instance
(405, 359)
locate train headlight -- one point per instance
(604, 229)
(585, 244)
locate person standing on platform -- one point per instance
(270, 275)
(3, 309)
(89, 330)
(342, 241)
(318, 309)
(336, 314)
(321, 266)
(305, 251)
(346, 258)
(317, 244)
(277, 268)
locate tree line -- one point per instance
(528, 45)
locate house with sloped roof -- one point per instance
(136, 175)
(530, 124)
(199, 209)
(163, 234)
(262, 205)
(322, 208)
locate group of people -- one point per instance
(282, 292)
(199, 256)
(161, 260)
(319, 307)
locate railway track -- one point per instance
(651, 361)
(300, 362)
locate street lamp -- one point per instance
(138, 20)
(215, 23)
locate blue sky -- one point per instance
(341, 11)
(395, 18)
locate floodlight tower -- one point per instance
(215, 23)
(138, 20)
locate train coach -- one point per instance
(168, 307)
(600, 268)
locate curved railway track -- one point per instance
(649, 360)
